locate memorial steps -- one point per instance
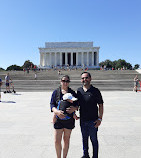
(109, 80)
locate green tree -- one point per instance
(116, 64)
(128, 66)
(120, 63)
(101, 64)
(123, 64)
(108, 63)
(14, 67)
(28, 64)
(1, 69)
(136, 66)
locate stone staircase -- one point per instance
(109, 80)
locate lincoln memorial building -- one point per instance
(77, 54)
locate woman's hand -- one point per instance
(60, 114)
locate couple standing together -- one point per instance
(90, 104)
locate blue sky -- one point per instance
(113, 25)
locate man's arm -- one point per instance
(100, 111)
(100, 115)
(71, 109)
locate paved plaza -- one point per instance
(26, 130)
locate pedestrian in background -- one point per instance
(136, 82)
(35, 76)
(7, 83)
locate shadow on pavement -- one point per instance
(8, 102)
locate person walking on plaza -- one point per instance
(0, 88)
(136, 82)
(7, 83)
(35, 76)
(90, 114)
(63, 127)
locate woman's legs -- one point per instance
(66, 138)
(58, 137)
(54, 119)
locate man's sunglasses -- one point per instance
(84, 78)
(67, 81)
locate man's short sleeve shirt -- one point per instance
(88, 103)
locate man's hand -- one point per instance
(97, 122)
(71, 109)
(60, 114)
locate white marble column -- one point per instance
(87, 58)
(76, 58)
(66, 57)
(41, 59)
(50, 59)
(55, 58)
(71, 58)
(97, 59)
(60, 58)
(92, 58)
(82, 59)
(44, 59)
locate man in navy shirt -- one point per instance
(90, 114)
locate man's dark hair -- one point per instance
(86, 73)
(66, 77)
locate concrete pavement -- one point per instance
(26, 130)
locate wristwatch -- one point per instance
(99, 119)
